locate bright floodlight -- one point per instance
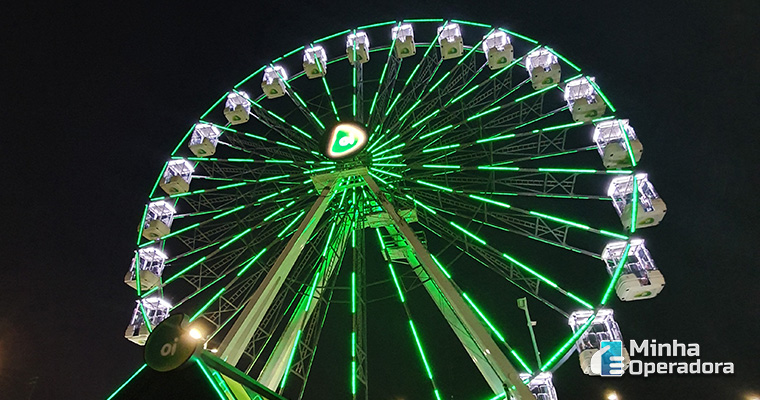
(345, 140)
(603, 327)
(177, 177)
(315, 62)
(640, 278)
(403, 40)
(358, 44)
(204, 139)
(498, 50)
(237, 107)
(273, 82)
(195, 334)
(543, 68)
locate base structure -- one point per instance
(498, 372)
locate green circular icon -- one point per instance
(170, 345)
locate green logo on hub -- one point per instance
(345, 140)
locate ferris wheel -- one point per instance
(389, 165)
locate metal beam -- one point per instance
(236, 340)
(492, 363)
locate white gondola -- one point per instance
(237, 108)
(610, 136)
(450, 40)
(582, 99)
(543, 68)
(315, 62)
(498, 50)
(150, 264)
(156, 310)
(357, 44)
(640, 278)
(273, 83)
(603, 327)
(650, 208)
(177, 177)
(541, 386)
(158, 220)
(204, 139)
(403, 41)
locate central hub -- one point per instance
(344, 140)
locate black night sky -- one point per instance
(97, 95)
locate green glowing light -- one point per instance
(480, 114)
(560, 220)
(596, 88)
(483, 317)
(635, 205)
(210, 380)
(396, 282)
(290, 359)
(486, 200)
(251, 261)
(433, 185)
(422, 352)
(521, 361)
(546, 89)
(127, 382)
(468, 233)
(445, 128)
(530, 270)
(579, 300)
(207, 305)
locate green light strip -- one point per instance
(461, 96)
(519, 35)
(616, 276)
(126, 382)
(575, 67)
(480, 114)
(438, 263)
(468, 233)
(246, 80)
(177, 275)
(567, 344)
(546, 89)
(486, 200)
(226, 213)
(521, 361)
(422, 352)
(433, 185)
(207, 305)
(389, 150)
(445, 128)
(627, 143)
(396, 282)
(252, 260)
(451, 146)
(423, 120)
(441, 166)
(145, 317)
(234, 239)
(210, 380)
(530, 271)
(613, 234)
(290, 360)
(598, 90)
(484, 318)
(560, 220)
(579, 300)
(380, 238)
(333, 36)
(290, 225)
(386, 172)
(430, 210)
(634, 205)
